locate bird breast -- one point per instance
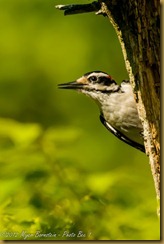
(120, 111)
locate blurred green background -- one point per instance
(61, 172)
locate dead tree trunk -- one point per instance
(137, 24)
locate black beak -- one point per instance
(71, 85)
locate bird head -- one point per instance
(92, 83)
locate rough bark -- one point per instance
(137, 24)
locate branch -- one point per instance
(79, 8)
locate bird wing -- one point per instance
(120, 135)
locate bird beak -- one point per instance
(72, 85)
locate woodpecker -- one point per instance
(118, 111)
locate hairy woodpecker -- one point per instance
(118, 111)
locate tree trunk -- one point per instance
(137, 24)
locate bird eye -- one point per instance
(93, 78)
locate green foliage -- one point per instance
(61, 175)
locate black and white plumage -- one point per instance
(118, 111)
